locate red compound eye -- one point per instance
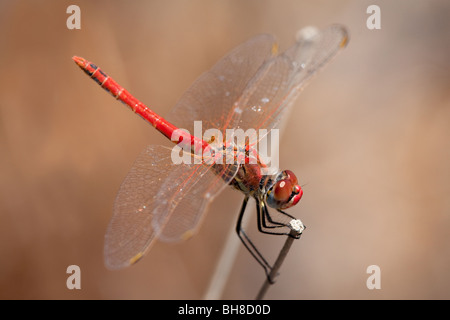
(282, 190)
(291, 176)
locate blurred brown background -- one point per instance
(368, 138)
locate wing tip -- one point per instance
(344, 41)
(136, 258)
(187, 234)
(344, 34)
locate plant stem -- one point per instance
(296, 231)
(225, 264)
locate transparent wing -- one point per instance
(159, 199)
(192, 200)
(251, 87)
(213, 95)
(280, 79)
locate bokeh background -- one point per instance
(369, 138)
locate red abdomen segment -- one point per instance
(107, 83)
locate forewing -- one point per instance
(277, 82)
(212, 97)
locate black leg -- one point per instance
(266, 223)
(260, 208)
(297, 235)
(286, 214)
(247, 242)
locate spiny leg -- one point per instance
(265, 221)
(292, 235)
(247, 242)
(260, 208)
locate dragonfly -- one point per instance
(251, 87)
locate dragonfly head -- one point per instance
(285, 191)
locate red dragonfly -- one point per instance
(250, 88)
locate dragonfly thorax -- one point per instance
(280, 190)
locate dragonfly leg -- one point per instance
(297, 236)
(266, 223)
(266, 219)
(248, 243)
